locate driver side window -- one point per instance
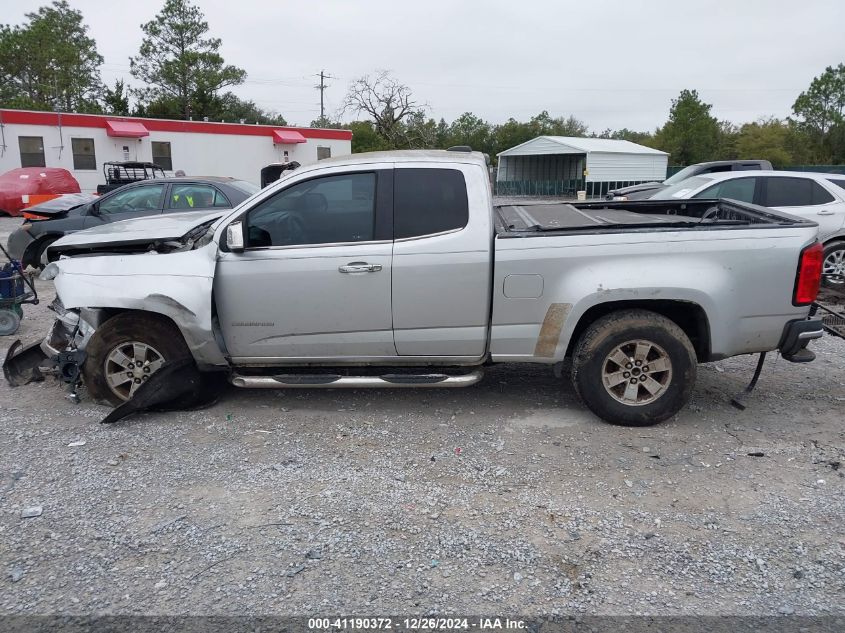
(324, 210)
(146, 198)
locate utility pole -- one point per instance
(322, 88)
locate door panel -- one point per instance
(295, 302)
(314, 280)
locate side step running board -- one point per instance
(336, 381)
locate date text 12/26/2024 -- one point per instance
(413, 624)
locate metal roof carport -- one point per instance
(563, 165)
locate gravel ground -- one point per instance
(508, 497)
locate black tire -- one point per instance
(830, 249)
(10, 321)
(591, 360)
(150, 329)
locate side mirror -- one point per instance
(235, 237)
(94, 209)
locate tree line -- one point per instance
(815, 134)
(51, 63)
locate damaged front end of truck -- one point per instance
(97, 279)
(62, 352)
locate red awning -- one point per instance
(126, 129)
(287, 137)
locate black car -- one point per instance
(645, 190)
(45, 223)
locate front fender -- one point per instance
(176, 285)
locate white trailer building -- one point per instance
(81, 143)
(563, 165)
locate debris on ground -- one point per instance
(31, 512)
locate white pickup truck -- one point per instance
(396, 270)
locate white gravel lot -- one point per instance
(508, 497)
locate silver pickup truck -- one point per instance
(396, 270)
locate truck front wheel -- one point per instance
(634, 368)
(125, 351)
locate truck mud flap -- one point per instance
(22, 365)
(176, 386)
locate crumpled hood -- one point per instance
(62, 203)
(169, 226)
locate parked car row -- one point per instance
(46, 223)
(645, 190)
(813, 196)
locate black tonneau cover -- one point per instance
(556, 217)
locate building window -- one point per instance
(32, 151)
(161, 155)
(324, 152)
(83, 153)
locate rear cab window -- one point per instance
(428, 201)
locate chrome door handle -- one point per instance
(360, 267)
(825, 212)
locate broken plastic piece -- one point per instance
(176, 385)
(22, 364)
(31, 512)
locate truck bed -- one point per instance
(556, 218)
(735, 263)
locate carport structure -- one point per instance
(564, 165)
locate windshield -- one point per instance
(246, 187)
(685, 173)
(681, 189)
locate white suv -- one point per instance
(818, 197)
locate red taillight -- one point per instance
(809, 275)
(35, 216)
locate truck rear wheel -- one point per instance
(634, 368)
(125, 351)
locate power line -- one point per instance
(322, 88)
